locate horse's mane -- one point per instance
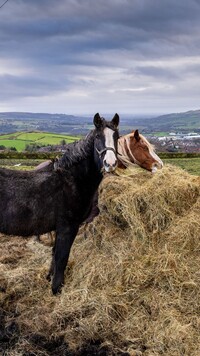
(149, 145)
(124, 158)
(76, 151)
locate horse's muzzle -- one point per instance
(156, 166)
(109, 167)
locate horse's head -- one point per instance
(105, 141)
(135, 148)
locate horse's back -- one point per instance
(46, 166)
(28, 201)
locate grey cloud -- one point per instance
(110, 16)
(17, 86)
(157, 72)
(146, 28)
(65, 41)
(192, 69)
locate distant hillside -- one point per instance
(186, 121)
(36, 116)
(80, 125)
(179, 122)
(57, 123)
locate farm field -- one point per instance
(191, 165)
(22, 164)
(19, 140)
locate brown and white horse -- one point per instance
(134, 148)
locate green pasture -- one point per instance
(20, 164)
(192, 165)
(160, 134)
(19, 140)
(18, 144)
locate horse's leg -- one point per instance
(94, 211)
(51, 269)
(52, 235)
(64, 241)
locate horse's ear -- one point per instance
(115, 120)
(136, 135)
(97, 120)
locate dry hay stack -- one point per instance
(133, 286)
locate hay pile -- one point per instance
(132, 287)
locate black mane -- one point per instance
(77, 151)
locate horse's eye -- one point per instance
(97, 136)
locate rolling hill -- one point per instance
(80, 125)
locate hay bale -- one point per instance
(133, 285)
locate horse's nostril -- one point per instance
(105, 163)
(109, 167)
(114, 164)
(158, 165)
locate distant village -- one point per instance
(174, 142)
(177, 142)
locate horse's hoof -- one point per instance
(48, 277)
(56, 290)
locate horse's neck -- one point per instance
(80, 161)
(87, 173)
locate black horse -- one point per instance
(36, 202)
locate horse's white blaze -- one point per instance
(154, 169)
(110, 156)
(154, 155)
(120, 147)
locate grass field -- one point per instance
(191, 165)
(21, 164)
(19, 140)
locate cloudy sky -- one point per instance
(84, 56)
